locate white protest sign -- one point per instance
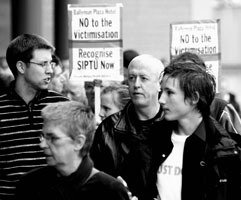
(200, 37)
(95, 34)
(95, 23)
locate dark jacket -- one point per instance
(211, 162)
(122, 147)
(226, 115)
(45, 184)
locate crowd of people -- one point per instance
(164, 133)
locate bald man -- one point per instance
(122, 143)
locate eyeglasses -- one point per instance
(45, 64)
(50, 139)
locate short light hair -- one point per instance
(74, 118)
(120, 93)
(154, 64)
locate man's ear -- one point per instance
(21, 67)
(79, 142)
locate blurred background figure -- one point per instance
(59, 68)
(59, 77)
(105, 83)
(128, 55)
(113, 98)
(74, 90)
(90, 93)
(6, 75)
(231, 98)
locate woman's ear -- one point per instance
(21, 67)
(79, 142)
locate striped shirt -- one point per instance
(20, 127)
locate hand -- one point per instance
(126, 186)
(158, 198)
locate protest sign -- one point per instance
(201, 37)
(95, 36)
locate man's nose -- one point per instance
(137, 82)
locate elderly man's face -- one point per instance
(143, 84)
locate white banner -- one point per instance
(200, 37)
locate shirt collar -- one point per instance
(13, 93)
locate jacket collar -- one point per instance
(201, 131)
(125, 124)
(81, 175)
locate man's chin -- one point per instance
(42, 89)
(139, 104)
(169, 118)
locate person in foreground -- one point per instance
(29, 58)
(193, 156)
(68, 132)
(122, 141)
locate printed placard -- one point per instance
(201, 37)
(96, 63)
(95, 35)
(95, 23)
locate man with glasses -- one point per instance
(30, 60)
(68, 132)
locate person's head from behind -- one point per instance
(59, 78)
(59, 68)
(58, 83)
(68, 132)
(189, 57)
(186, 88)
(128, 55)
(74, 90)
(113, 99)
(144, 74)
(90, 93)
(30, 57)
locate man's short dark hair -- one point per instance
(22, 47)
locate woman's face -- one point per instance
(108, 105)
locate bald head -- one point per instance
(147, 62)
(144, 73)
